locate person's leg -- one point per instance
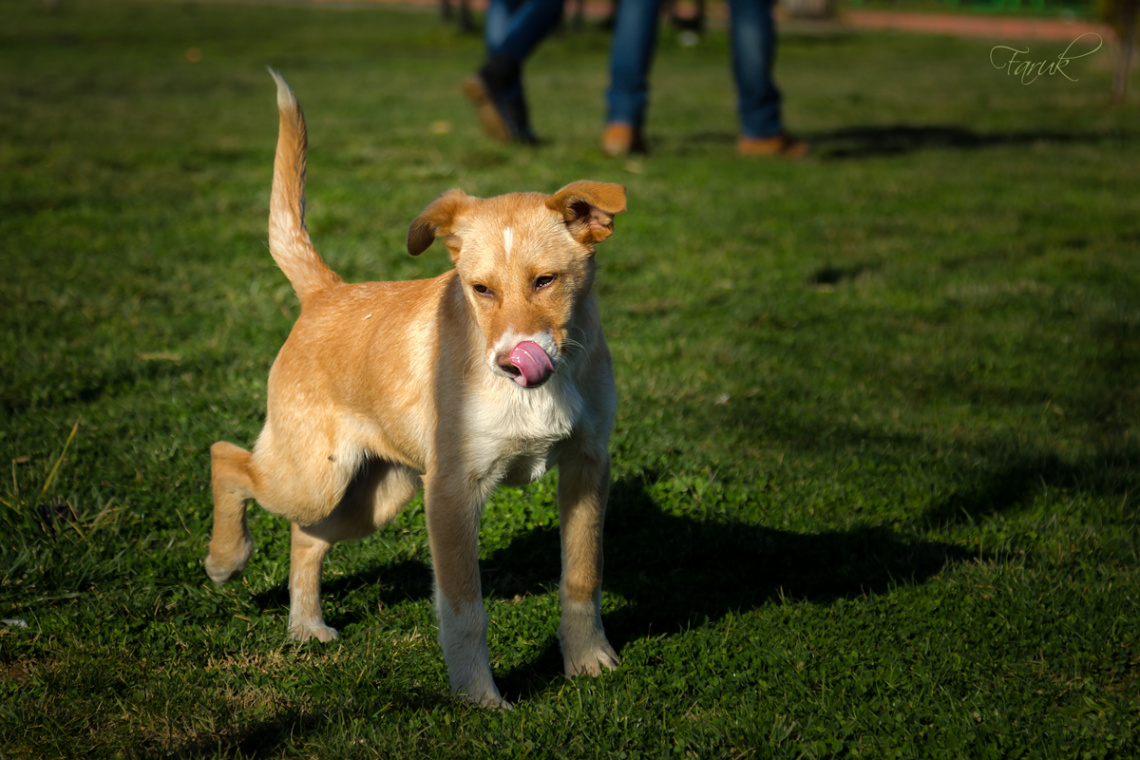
(631, 56)
(753, 55)
(529, 24)
(497, 22)
(753, 32)
(512, 30)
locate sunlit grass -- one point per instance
(875, 460)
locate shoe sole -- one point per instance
(787, 149)
(492, 122)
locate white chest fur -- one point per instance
(515, 434)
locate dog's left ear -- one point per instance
(589, 209)
(437, 220)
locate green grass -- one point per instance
(876, 462)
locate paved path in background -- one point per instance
(951, 24)
(970, 25)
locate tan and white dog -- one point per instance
(490, 373)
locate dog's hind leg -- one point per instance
(374, 497)
(233, 485)
(583, 487)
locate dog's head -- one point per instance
(526, 263)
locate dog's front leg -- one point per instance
(583, 487)
(452, 508)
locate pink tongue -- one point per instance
(532, 363)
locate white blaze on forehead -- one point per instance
(508, 241)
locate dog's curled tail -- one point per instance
(288, 238)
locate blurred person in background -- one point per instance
(753, 37)
(512, 30)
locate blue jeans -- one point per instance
(753, 34)
(515, 27)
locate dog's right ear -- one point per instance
(437, 220)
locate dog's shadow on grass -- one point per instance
(389, 584)
(674, 571)
(677, 572)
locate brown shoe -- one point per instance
(779, 146)
(621, 139)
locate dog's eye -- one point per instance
(543, 281)
(481, 290)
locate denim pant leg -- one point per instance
(497, 22)
(515, 27)
(753, 33)
(631, 55)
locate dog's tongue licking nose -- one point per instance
(532, 363)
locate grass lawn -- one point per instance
(876, 458)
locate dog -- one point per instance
(491, 373)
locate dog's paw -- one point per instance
(222, 570)
(320, 632)
(488, 699)
(484, 694)
(585, 649)
(590, 660)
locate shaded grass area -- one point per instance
(875, 459)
